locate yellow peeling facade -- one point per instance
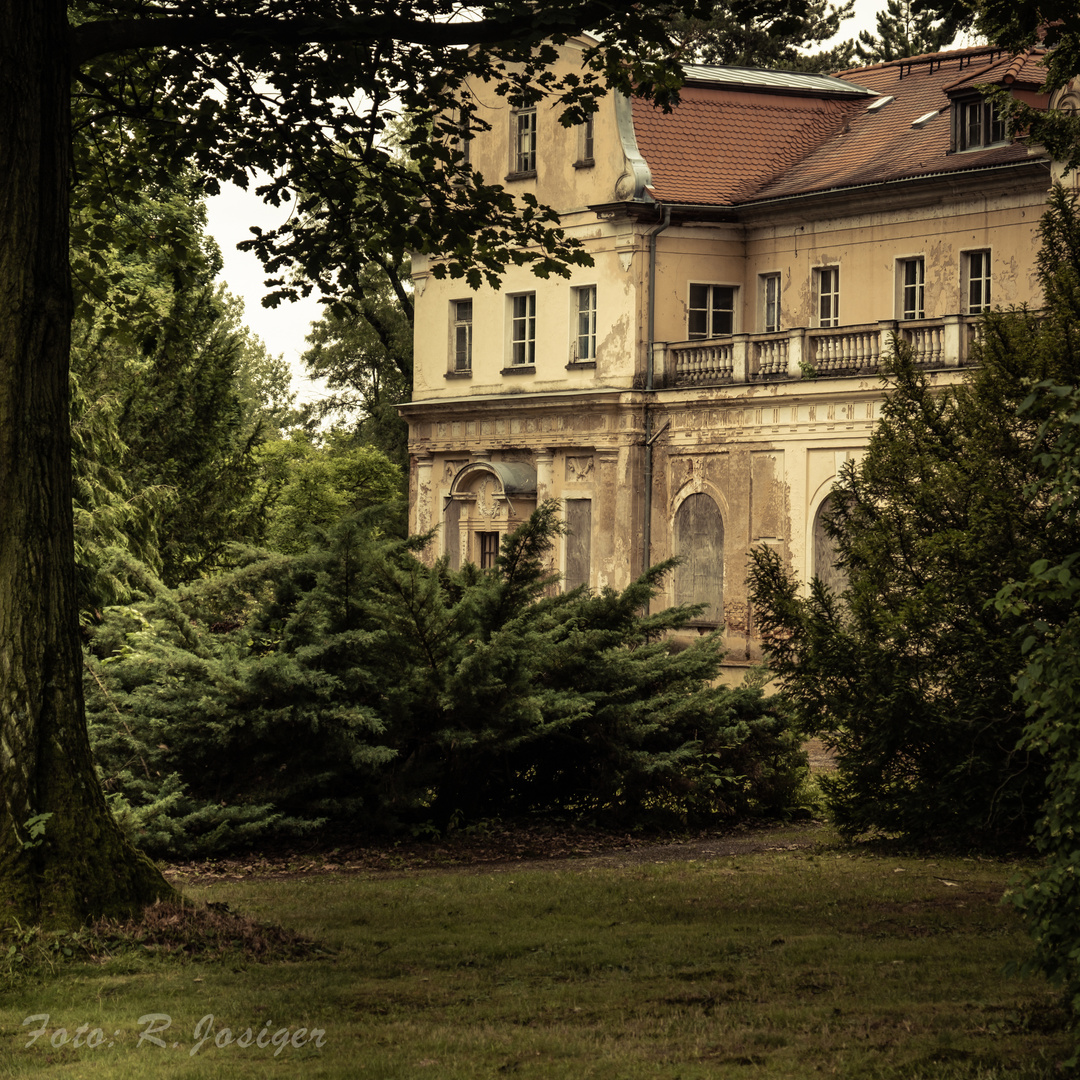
(656, 438)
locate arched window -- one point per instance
(825, 568)
(699, 541)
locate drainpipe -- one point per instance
(646, 531)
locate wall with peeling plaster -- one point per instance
(765, 452)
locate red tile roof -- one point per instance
(720, 146)
(728, 146)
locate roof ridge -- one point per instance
(925, 58)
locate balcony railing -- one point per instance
(800, 353)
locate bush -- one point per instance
(909, 673)
(353, 683)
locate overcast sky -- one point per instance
(283, 329)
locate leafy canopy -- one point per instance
(304, 91)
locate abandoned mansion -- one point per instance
(695, 391)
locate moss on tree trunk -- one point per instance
(81, 866)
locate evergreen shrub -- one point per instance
(355, 684)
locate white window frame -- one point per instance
(523, 141)
(978, 277)
(979, 124)
(522, 315)
(719, 304)
(770, 302)
(583, 346)
(461, 339)
(827, 295)
(911, 288)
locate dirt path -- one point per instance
(504, 849)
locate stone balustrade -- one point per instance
(802, 353)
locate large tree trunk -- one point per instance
(81, 866)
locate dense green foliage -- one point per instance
(364, 357)
(353, 683)
(1049, 686)
(910, 673)
(172, 396)
(1047, 601)
(309, 483)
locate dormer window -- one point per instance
(978, 124)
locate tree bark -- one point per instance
(81, 866)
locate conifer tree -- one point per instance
(750, 33)
(1046, 601)
(910, 672)
(903, 30)
(353, 683)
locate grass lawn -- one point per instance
(830, 961)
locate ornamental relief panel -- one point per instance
(486, 503)
(451, 467)
(688, 470)
(579, 468)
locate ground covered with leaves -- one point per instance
(500, 844)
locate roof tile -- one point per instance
(724, 145)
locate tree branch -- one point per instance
(93, 39)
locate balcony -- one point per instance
(800, 353)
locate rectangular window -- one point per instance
(578, 542)
(977, 285)
(712, 311)
(912, 288)
(585, 335)
(524, 141)
(770, 302)
(488, 543)
(971, 119)
(462, 335)
(586, 155)
(464, 142)
(523, 329)
(828, 295)
(978, 124)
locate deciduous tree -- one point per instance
(277, 86)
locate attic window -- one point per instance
(978, 124)
(924, 120)
(879, 104)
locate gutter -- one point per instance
(839, 192)
(646, 527)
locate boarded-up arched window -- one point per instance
(825, 568)
(699, 541)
